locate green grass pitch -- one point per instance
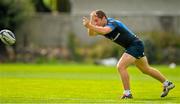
(33, 83)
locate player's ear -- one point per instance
(104, 18)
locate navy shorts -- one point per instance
(136, 49)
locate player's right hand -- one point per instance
(86, 22)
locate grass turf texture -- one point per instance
(27, 83)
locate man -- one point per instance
(134, 54)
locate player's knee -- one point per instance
(121, 67)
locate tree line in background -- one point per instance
(160, 47)
(14, 12)
(52, 5)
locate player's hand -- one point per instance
(86, 22)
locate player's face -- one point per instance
(99, 21)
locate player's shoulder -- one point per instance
(111, 23)
(110, 20)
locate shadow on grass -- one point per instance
(81, 100)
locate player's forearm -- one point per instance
(91, 32)
(97, 29)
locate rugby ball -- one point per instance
(7, 37)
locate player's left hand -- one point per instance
(86, 22)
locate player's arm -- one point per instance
(90, 31)
(98, 29)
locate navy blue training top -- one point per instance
(120, 33)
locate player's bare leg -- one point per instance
(144, 66)
(122, 65)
